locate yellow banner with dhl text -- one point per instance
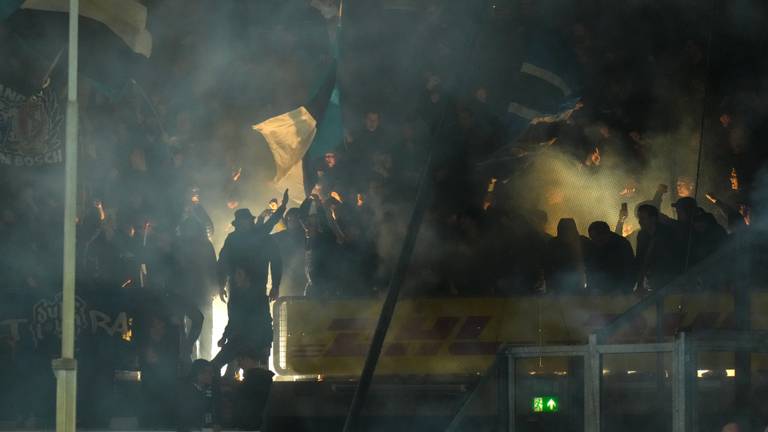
(460, 336)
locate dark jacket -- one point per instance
(660, 257)
(195, 408)
(567, 263)
(613, 266)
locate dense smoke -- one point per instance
(533, 111)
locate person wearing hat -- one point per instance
(245, 261)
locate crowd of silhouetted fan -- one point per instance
(164, 168)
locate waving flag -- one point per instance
(545, 85)
(297, 138)
(34, 44)
(290, 136)
(126, 18)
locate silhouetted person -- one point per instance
(612, 262)
(197, 281)
(323, 247)
(245, 261)
(158, 359)
(269, 211)
(195, 409)
(659, 254)
(566, 259)
(699, 228)
(291, 242)
(252, 394)
(195, 211)
(362, 152)
(735, 219)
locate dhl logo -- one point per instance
(461, 336)
(416, 336)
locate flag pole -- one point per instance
(66, 366)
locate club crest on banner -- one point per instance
(30, 128)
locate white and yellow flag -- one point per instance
(289, 136)
(126, 18)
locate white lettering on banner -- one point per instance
(100, 320)
(45, 321)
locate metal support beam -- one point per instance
(502, 393)
(636, 348)
(66, 367)
(511, 394)
(682, 388)
(455, 424)
(593, 376)
(546, 351)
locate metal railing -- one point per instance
(684, 348)
(591, 353)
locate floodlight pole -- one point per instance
(66, 366)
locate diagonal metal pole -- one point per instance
(398, 274)
(66, 366)
(388, 308)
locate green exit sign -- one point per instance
(545, 404)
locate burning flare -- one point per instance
(100, 207)
(628, 191)
(594, 158)
(734, 180)
(488, 201)
(236, 174)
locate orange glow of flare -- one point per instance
(147, 227)
(236, 174)
(594, 158)
(745, 213)
(488, 201)
(360, 200)
(628, 191)
(102, 213)
(196, 199)
(335, 195)
(492, 184)
(555, 196)
(627, 230)
(734, 180)
(711, 198)
(233, 204)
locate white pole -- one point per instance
(66, 366)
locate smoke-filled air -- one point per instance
(375, 215)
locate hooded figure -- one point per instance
(566, 260)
